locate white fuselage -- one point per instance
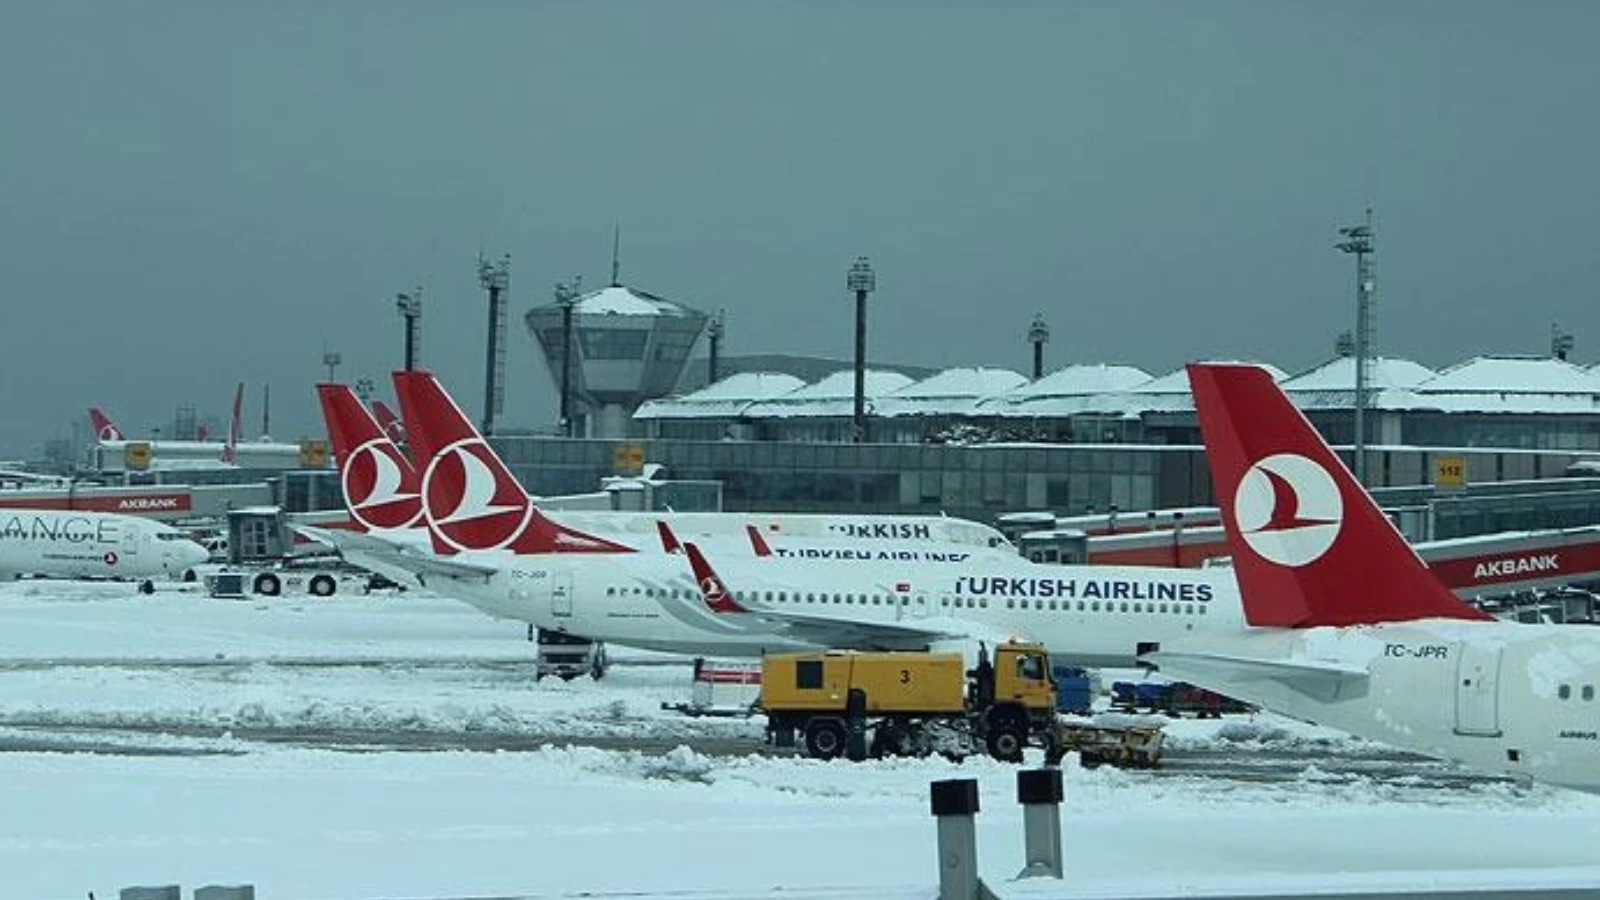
(635, 527)
(1498, 696)
(76, 544)
(1092, 615)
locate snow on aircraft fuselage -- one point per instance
(492, 548)
(1350, 630)
(80, 544)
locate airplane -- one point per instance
(82, 544)
(1349, 629)
(169, 455)
(358, 438)
(491, 547)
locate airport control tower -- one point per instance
(628, 346)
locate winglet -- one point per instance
(1309, 545)
(712, 589)
(757, 542)
(669, 541)
(470, 498)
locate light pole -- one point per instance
(714, 331)
(1038, 336)
(861, 281)
(1359, 240)
(331, 359)
(410, 307)
(567, 295)
(495, 278)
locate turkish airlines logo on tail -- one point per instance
(467, 506)
(372, 480)
(1288, 509)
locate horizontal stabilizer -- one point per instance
(1224, 674)
(372, 551)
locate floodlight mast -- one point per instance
(1360, 241)
(410, 308)
(1038, 336)
(496, 279)
(861, 280)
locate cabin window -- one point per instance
(983, 602)
(1188, 609)
(1588, 692)
(1095, 606)
(944, 601)
(808, 674)
(1124, 606)
(1163, 607)
(1080, 606)
(611, 591)
(1564, 692)
(769, 596)
(1203, 609)
(1010, 603)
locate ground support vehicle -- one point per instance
(1174, 699)
(1076, 689)
(908, 703)
(1126, 746)
(276, 580)
(567, 656)
(721, 688)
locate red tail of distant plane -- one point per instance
(470, 499)
(711, 586)
(389, 422)
(1309, 545)
(104, 428)
(669, 541)
(230, 447)
(381, 488)
(758, 542)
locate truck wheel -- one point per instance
(825, 738)
(323, 585)
(1007, 736)
(147, 586)
(268, 584)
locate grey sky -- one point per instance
(195, 194)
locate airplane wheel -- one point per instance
(268, 584)
(147, 586)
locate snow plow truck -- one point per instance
(911, 703)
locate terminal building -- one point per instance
(981, 442)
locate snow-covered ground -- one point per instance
(253, 742)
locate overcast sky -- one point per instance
(197, 194)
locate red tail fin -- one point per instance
(230, 447)
(104, 428)
(757, 542)
(1309, 545)
(389, 422)
(669, 541)
(711, 587)
(381, 489)
(470, 499)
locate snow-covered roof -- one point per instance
(1067, 391)
(832, 396)
(1339, 374)
(725, 399)
(951, 392)
(1512, 375)
(620, 300)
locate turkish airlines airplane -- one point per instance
(383, 492)
(79, 544)
(184, 454)
(494, 549)
(1351, 630)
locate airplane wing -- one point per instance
(384, 555)
(1221, 672)
(847, 635)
